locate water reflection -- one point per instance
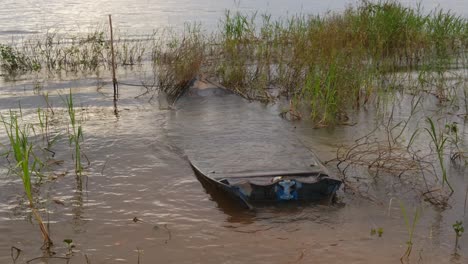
(116, 109)
(20, 17)
(235, 212)
(77, 205)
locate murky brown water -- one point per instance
(139, 167)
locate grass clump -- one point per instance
(57, 53)
(69, 53)
(332, 64)
(177, 62)
(13, 61)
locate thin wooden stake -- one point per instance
(114, 79)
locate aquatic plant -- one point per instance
(12, 60)
(70, 246)
(71, 53)
(459, 229)
(410, 228)
(179, 62)
(43, 118)
(26, 162)
(302, 55)
(377, 231)
(76, 135)
(438, 140)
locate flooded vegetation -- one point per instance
(378, 47)
(378, 91)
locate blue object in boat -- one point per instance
(286, 192)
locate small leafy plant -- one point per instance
(459, 229)
(411, 227)
(70, 246)
(377, 231)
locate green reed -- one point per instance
(411, 226)
(359, 46)
(26, 163)
(438, 140)
(76, 135)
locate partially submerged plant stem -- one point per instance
(459, 229)
(76, 135)
(439, 140)
(22, 151)
(411, 227)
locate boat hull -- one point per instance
(272, 188)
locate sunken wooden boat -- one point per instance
(272, 187)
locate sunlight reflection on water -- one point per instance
(20, 18)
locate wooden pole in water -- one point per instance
(114, 79)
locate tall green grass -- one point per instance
(76, 134)
(439, 140)
(26, 162)
(334, 63)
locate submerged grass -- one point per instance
(177, 62)
(327, 65)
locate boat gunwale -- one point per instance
(317, 173)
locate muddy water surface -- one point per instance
(138, 168)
